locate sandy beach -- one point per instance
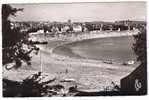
(88, 73)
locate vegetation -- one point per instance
(30, 87)
(16, 46)
(140, 45)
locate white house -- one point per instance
(77, 28)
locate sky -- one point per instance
(81, 12)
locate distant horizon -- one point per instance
(82, 12)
